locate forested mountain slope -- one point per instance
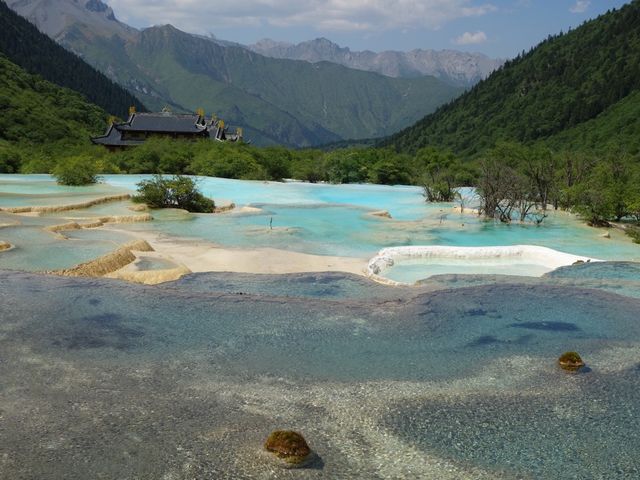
(26, 46)
(35, 111)
(549, 93)
(617, 128)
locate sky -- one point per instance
(498, 28)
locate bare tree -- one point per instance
(539, 165)
(496, 189)
(514, 184)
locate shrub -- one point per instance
(176, 192)
(634, 233)
(10, 159)
(78, 170)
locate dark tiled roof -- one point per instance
(162, 122)
(114, 138)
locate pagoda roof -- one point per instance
(114, 138)
(165, 122)
(148, 125)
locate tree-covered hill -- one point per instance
(556, 91)
(35, 111)
(617, 128)
(26, 46)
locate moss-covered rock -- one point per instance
(288, 446)
(570, 361)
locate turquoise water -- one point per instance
(153, 382)
(333, 220)
(37, 250)
(101, 210)
(328, 219)
(403, 202)
(42, 190)
(149, 263)
(411, 271)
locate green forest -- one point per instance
(23, 44)
(575, 90)
(35, 113)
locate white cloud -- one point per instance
(363, 15)
(580, 6)
(468, 38)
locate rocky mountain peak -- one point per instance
(458, 68)
(269, 43)
(100, 7)
(57, 17)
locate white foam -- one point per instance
(530, 254)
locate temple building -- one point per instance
(142, 126)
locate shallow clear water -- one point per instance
(150, 263)
(37, 250)
(325, 286)
(410, 271)
(42, 190)
(149, 381)
(600, 271)
(454, 378)
(617, 277)
(101, 210)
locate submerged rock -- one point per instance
(4, 246)
(570, 361)
(290, 448)
(139, 207)
(381, 213)
(224, 208)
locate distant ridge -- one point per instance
(26, 46)
(458, 68)
(577, 89)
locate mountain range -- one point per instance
(578, 90)
(289, 102)
(455, 67)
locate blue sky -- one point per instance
(498, 28)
